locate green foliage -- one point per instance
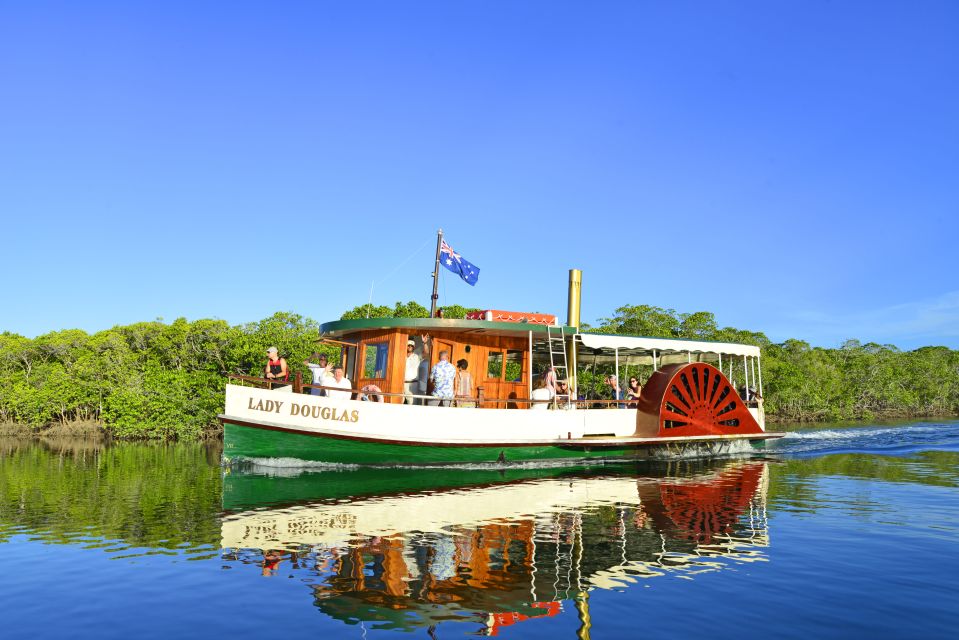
(166, 381)
(455, 311)
(802, 382)
(145, 380)
(410, 309)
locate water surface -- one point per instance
(832, 532)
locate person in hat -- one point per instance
(276, 366)
(410, 372)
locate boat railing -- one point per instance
(296, 385)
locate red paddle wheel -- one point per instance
(693, 399)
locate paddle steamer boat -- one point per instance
(690, 404)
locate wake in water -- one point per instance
(892, 440)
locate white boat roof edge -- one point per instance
(608, 341)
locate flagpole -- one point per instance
(436, 273)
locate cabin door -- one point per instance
(439, 345)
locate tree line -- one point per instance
(165, 380)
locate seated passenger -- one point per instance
(344, 388)
(614, 392)
(563, 399)
(633, 390)
(371, 392)
(541, 395)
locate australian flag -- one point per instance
(457, 264)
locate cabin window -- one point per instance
(513, 369)
(514, 366)
(494, 365)
(375, 357)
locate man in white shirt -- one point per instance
(410, 373)
(320, 372)
(344, 388)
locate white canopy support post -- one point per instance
(752, 369)
(616, 355)
(531, 372)
(760, 376)
(689, 357)
(654, 360)
(746, 375)
(720, 363)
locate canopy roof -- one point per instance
(340, 328)
(665, 345)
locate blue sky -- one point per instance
(790, 166)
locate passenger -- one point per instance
(633, 391)
(442, 375)
(371, 392)
(549, 376)
(754, 397)
(614, 392)
(276, 369)
(423, 375)
(344, 388)
(463, 385)
(320, 371)
(563, 399)
(541, 395)
(410, 373)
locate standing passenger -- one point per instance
(319, 371)
(549, 378)
(275, 368)
(410, 373)
(423, 374)
(442, 376)
(463, 385)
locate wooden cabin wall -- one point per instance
(480, 346)
(393, 382)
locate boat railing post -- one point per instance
(298, 382)
(479, 396)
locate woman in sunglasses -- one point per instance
(633, 391)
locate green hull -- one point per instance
(242, 442)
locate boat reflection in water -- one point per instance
(403, 549)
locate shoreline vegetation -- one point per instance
(153, 380)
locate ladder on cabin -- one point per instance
(557, 360)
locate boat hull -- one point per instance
(245, 441)
(261, 425)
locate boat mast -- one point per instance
(572, 320)
(436, 273)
